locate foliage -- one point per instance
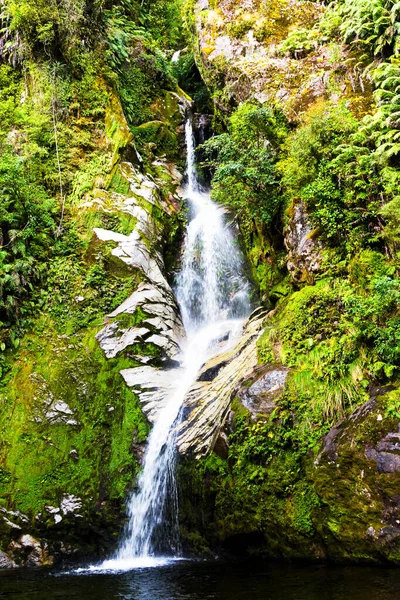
(371, 25)
(372, 28)
(340, 182)
(243, 160)
(376, 320)
(27, 226)
(53, 125)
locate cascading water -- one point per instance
(213, 295)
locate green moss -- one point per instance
(119, 184)
(157, 138)
(304, 500)
(278, 499)
(125, 320)
(105, 421)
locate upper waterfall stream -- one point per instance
(213, 296)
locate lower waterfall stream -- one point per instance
(213, 296)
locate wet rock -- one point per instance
(30, 552)
(263, 390)
(304, 252)
(5, 561)
(156, 303)
(33, 547)
(213, 367)
(356, 476)
(139, 450)
(389, 534)
(207, 404)
(153, 386)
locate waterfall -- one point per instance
(213, 295)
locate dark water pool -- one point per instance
(208, 581)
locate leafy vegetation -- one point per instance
(244, 161)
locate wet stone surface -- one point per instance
(264, 389)
(387, 453)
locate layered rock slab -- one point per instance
(140, 250)
(153, 386)
(208, 401)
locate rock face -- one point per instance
(152, 308)
(208, 401)
(73, 433)
(242, 47)
(304, 252)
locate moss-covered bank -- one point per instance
(270, 496)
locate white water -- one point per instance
(213, 296)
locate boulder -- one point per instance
(30, 552)
(357, 477)
(260, 393)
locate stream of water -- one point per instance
(213, 296)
